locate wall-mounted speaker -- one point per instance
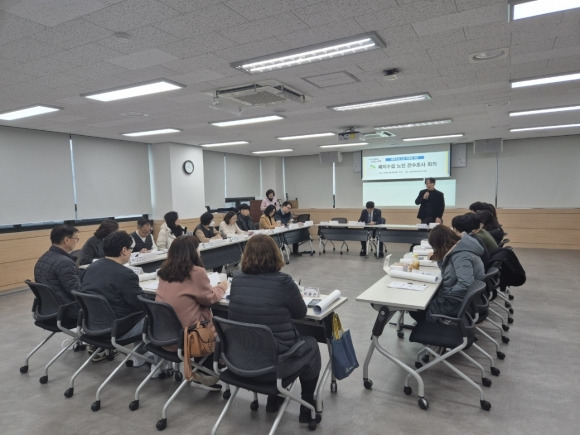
(488, 146)
(331, 157)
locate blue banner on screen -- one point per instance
(406, 166)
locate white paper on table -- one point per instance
(147, 276)
(326, 302)
(417, 276)
(420, 251)
(407, 285)
(214, 278)
(151, 285)
(137, 270)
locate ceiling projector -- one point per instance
(351, 136)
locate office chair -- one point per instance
(101, 329)
(340, 220)
(373, 244)
(302, 218)
(250, 354)
(163, 328)
(457, 336)
(50, 314)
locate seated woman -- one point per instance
(267, 220)
(170, 230)
(459, 259)
(262, 294)
(491, 225)
(206, 231)
(469, 223)
(270, 199)
(229, 227)
(184, 284)
(93, 248)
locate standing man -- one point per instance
(432, 203)
(56, 268)
(371, 216)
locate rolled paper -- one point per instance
(415, 276)
(326, 302)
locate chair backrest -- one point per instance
(163, 325)
(247, 349)
(303, 217)
(97, 314)
(47, 301)
(340, 220)
(473, 294)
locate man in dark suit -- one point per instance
(431, 203)
(371, 216)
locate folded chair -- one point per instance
(163, 328)
(340, 220)
(101, 329)
(51, 314)
(250, 354)
(457, 334)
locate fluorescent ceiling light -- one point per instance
(306, 136)
(134, 90)
(415, 124)
(519, 9)
(445, 136)
(223, 144)
(540, 111)
(152, 132)
(383, 102)
(27, 112)
(547, 127)
(545, 80)
(247, 121)
(342, 145)
(285, 150)
(311, 53)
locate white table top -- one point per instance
(408, 300)
(381, 226)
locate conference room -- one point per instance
(461, 79)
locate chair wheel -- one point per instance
(111, 357)
(161, 424)
(129, 363)
(508, 305)
(178, 376)
(43, 379)
(505, 339)
(485, 405)
(418, 364)
(254, 405)
(96, 406)
(227, 394)
(425, 359)
(312, 424)
(407, 390)
(134, 405)
(511, 297)
(170, 373)
(162, 375)
(333, 387)
(495, 371)
(24, 369)
(500, 355)
(312, 253)
(506, 328)
(401, 334)
(486, 382)
(510, 320)
(423, 404)
(69, 392)
(368, 384)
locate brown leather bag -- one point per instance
(198, 341)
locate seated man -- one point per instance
(143, 239)
(110, 278)
(245, 220)
(284, 214)
(469, 223)
(56, 268)
(371, 216)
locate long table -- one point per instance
(387, 301)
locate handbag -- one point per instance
(198, 341)
(344, 360)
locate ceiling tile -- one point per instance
(141, 39)
(53, 12)
(257, 9)
(264, 28)
(27, 49)
(14, 27)
(200, 44)
(143, 59)
(472, 17)
(84, 55)
(188, 5)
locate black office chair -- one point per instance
(101, 329)
(303, 217)
(163, 328)
(457, 336)
(340, 220)
(373, 241)
(250, 354)
(50, 314)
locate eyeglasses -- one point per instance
(130, 248)
(75, 238)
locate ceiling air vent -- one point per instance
(260, 94)
(379, 135)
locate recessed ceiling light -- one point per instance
(123, 36)
(311, 53)
(524, 9)
(152, 132)
(487, 55)
(545, 80)
(354, 144)
(540, 111)
(306, 136)
(223, 144)
(247, 121)
(546, 127)
(285, 150)
(415, 124)
(445, 136)
(135, 114)
(382, 102)
(27, 112)
(134, 90)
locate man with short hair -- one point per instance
(284, 214)
(143, 239)
(371, 216)
(118, 284)
(245, 220)
(56, 267)
(432, 203)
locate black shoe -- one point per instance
(381, 255)
(305, 415)
(363, 253)
(274, 403)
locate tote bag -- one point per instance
(344, 360)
